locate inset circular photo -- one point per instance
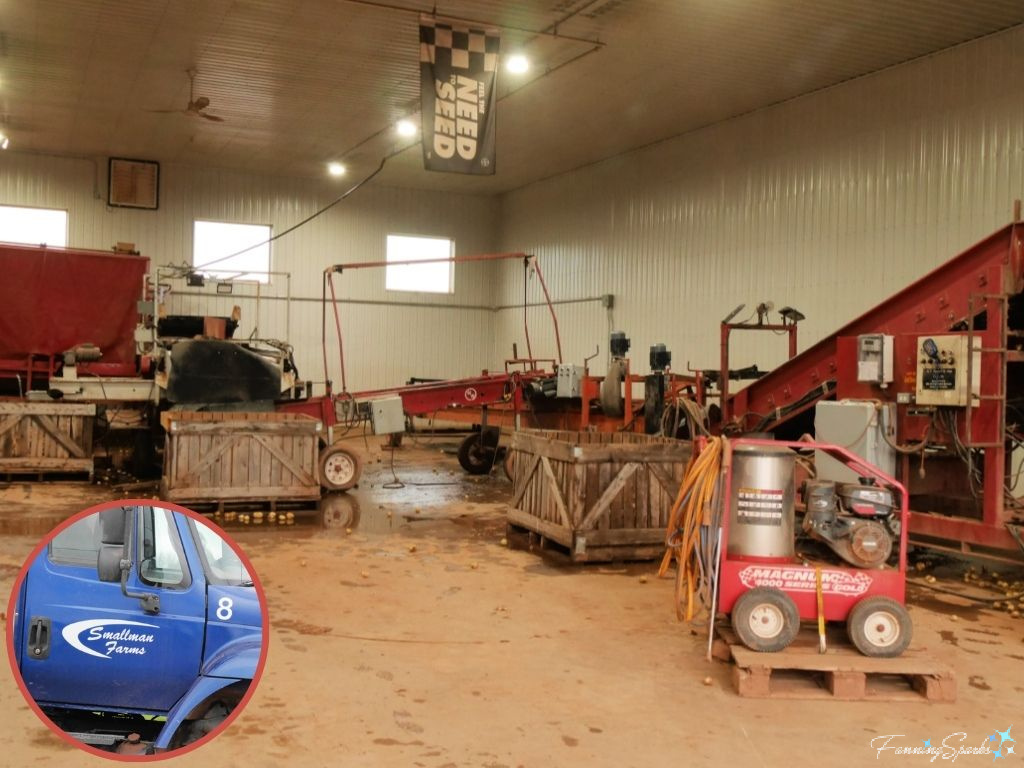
(137, 630)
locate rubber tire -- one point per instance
(770, 597)
(326, 456)
(860, 617)
(478, 452)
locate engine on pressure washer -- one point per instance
(855, 520)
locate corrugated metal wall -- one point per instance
(828, 203)
(384, 343)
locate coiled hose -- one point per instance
(691, 537)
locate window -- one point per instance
(78, 544)
(428, 278)
(33, 226)
(213, 240)
(222, 564)
(161, 562)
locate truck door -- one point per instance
(86, 645)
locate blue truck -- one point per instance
(137, 629)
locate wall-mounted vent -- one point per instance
(133, 183)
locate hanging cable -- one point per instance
(305, 221)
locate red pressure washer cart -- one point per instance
(767, 588)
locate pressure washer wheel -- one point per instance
(478, 453)
(339, 469)
(879, 626)
(766, 619)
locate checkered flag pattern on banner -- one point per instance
(445, 44)
(458, 75)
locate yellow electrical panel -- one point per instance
(942, 370)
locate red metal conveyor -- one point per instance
(961, 474)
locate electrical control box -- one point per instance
(860, 426)
(387, 416)
(874, 358)
(569, 380)
(942, 370)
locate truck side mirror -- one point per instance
(108, 562)
(114, 558)
(112, 525)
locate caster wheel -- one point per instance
(766, 619)
(879, 626)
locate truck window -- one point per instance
(220, 562)
(161, 561)
(78, 544)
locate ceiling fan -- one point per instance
(195, 106)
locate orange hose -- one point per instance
(688, 513)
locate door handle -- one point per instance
(39, 638)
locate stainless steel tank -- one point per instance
(761, 502)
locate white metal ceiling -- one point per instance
(300, 83)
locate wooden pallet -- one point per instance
(842, 673)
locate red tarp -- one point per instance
(52, 299)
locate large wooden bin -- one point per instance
(46, 437)
(230, 457)
(601, 496)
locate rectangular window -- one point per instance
(214, 240)
(161, 561)
(78, 544)
(33, 226)
(437, 277)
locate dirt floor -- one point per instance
(403, 633)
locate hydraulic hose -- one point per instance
(692, 531)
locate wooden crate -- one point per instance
(46, 437)
(600, 496)
(843, 673)
(228, 457)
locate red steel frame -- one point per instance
(843, 586)
(727, 328)
(427, 398)
(982, 278)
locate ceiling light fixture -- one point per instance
(406, 128)
(336, 169)
(4, 141)
(517, 64)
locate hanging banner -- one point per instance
(458, 68)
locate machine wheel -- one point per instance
(339, 469)
(766, 619)
(478, 453)
(879, 626)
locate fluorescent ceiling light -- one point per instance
(4, 141)
(517, 64)
(406, 128)
(336, 169)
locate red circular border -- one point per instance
(265, 645)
